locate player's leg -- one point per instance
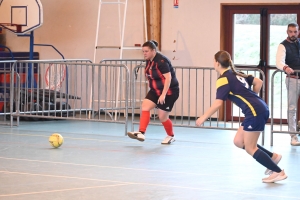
(250, 140)
(239, 142)
(163, 115)
(168, 125)
(147, 105)
(239, 138)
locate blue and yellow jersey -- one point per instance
(238, 90)
(154, 72)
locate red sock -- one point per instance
(168, 127)
(144, 121)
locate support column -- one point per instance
(154, 20)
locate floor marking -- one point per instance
(132, 141)
(112, 167)
(127, 168)
(133, 183)
(62, 190)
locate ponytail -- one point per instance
(235, 72)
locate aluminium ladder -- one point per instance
(121, 47)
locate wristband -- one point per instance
(284, 68)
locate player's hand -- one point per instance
(200, 121)
(161, 99)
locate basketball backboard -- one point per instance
(21, 16)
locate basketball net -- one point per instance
(54, 76)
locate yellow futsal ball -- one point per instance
(56, 140)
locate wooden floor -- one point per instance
(97, 161)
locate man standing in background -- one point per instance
(288, 60)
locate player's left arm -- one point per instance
(257, 84)
(214, 107)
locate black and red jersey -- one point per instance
(154, 72)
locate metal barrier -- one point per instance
(133, 70)
(196, 95)
(87, 92)
(5, 98)
(105, 92)
(279, 104)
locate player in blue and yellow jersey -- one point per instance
(237, 88)
(164, 91)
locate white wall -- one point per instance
(71, 27)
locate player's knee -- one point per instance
(250, 150)
(238, 143)
(146, 107)
(163, 118)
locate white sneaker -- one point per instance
(168, 140)
(274, 177)
(136, 135)
(276, 161)
(294, 141)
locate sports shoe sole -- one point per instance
(280, 178)
(133, 136)
(170, 142)
(296, 144)
(268, 171)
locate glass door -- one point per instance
(252, 34)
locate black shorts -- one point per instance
(169, 100)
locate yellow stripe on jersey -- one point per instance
(222, 81)
(246, 102)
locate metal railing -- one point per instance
(87, 92)
(279, 103)
(5, 98)
(111, 91)
(197, 93)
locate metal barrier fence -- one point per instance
(5, 74)
(21, 72)
(105, 92)
(133, 70)
(279, 103)
(197, 93)
(78, 91)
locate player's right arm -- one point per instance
(214, 107)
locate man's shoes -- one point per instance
(295, 141)
(274, 177)
(136, 135)
(168, 140)
(276, 161)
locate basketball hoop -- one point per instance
(54, 76)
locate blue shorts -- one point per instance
(256, 123)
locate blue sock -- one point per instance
(265, 160)
(265, 150)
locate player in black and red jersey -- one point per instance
(164, 91)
